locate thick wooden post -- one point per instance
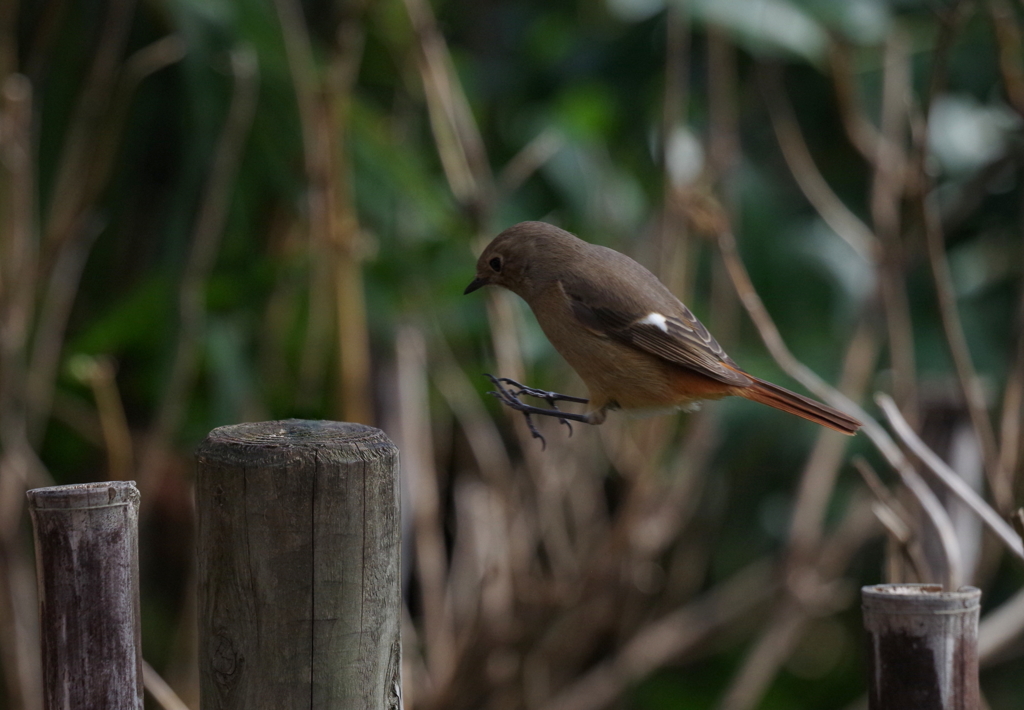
(922, 647)
(87, 565)
(298, 574)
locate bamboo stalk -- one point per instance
(87, 552)
(922, 647)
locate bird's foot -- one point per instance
(510, 395)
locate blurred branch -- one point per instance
(1006, 31)
(316, 153)
(707, 212)
(951, 20)
(883, 150)
(506, 327)
(19, 251)
(896, 520)
(303, 69)
(971, 387)
(887, 190)
(850, 228)
(346, 238)
(658, 642)
(8, 38)
(54, 311)
(950, 479)
(70, 253)
(480, 585)
(950, 568)
(773, 339)
(1000, 628)
(79, 416)
(88, 123)
(152, 58)
(471, 180)
(658, 523)
(817, 480)
(785, 626)
(19, 248)
(674, 247)
(528, 160)
(158, 689)
(676, 93)
(723, 107)
(19, 647)
(862, 134)
(812, 590)
(482, 434)
(415, 677)
(999, 482)
(970, 383)
(1011, 427)
(335, 238)
(99, 374)
(958, 208)
(899, 547)
(459, 144)
(416, 443)
(206, 239)
(803, 374)
(547, 470)
(20, 467)
(146, 61)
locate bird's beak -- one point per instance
(476, 283)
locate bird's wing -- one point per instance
(676, 336)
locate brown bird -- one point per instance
(634, 344)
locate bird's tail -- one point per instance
(782, 398)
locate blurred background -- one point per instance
(217, 211)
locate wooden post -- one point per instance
(922, 647)
(298, 574)
(87, 565)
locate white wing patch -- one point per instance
(655, 319)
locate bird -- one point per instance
(636, 346)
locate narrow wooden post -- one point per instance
(87, 565)
(298, 574)
(922, 647)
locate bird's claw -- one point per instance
(510, 397)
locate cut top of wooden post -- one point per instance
(276, 442)
(84, 496)
(907, 601)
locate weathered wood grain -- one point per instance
(922, 647)
(298, 569)
(87, 553)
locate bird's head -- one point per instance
(525, 257)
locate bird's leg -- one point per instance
(509, 396)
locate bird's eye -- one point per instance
(495, 263)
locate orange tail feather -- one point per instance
(782, 398)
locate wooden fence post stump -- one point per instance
(298, 569)
(87, 567)
(922, 647)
